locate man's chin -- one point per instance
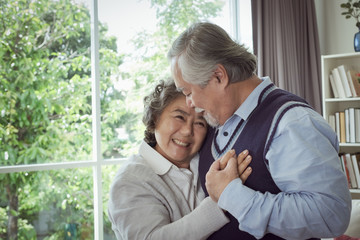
(211, 120)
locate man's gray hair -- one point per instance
(197, 52)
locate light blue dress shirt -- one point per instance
(303, 161)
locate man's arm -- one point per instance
(303, 161)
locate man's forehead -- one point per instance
(179, 86)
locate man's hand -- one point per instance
(226, 169)
(243, 161)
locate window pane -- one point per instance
(143, 32)
(108, 174)
(245, 23)
(47, 204)
(45, 88)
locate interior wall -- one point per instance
(336, 33)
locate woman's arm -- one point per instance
(139, 212)
(143, 205)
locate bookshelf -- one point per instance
(330, 104)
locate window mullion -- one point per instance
(234, 22)
(95, 77)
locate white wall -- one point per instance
(336, 33)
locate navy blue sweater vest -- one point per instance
(273, 103)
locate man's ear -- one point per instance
(221, 75)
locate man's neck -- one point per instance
(236, 94)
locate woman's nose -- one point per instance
(187, 129)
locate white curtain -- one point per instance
(286, 42)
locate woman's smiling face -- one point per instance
(180, 132)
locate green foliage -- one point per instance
(173, 17)
(352, 10)
(3, 223)
(26, 230)
(39, 74)
(108, 176)
(45, 104)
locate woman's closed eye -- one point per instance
(201, 124)
(180, 117)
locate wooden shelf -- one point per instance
(331, 105)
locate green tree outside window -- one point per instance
(45, 104)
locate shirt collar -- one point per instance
(251, 101)
(161, 165)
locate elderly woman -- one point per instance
(157, 193)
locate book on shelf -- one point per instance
(342, 164)
(355, 77)
(333, 86)
(355, 161)
(344, 80)
(345, 169)
(352, 125)
(346, 124)
(342, 127)
(338, 83)
(350, 167)
(337, 124)
(350, 164)
(352, 87)
(357, 124)
(331, 121)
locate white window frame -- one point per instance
(98, 161)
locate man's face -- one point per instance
(203, 99)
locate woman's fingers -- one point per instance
(244, 176)
(243, 160)
(225, 159)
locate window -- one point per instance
(241, 22)
(72, 77)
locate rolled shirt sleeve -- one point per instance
(303, 161)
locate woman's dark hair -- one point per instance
(154, 104)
